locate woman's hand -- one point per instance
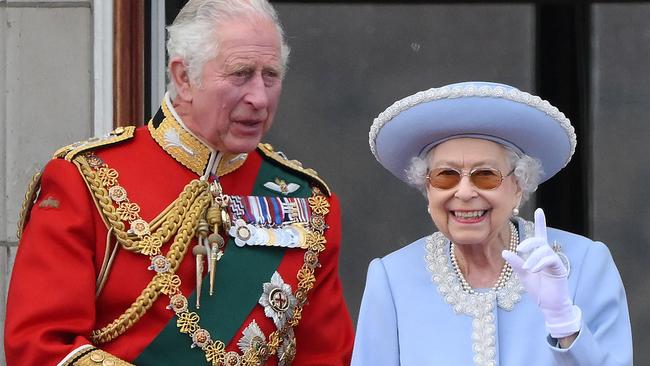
(545, 278)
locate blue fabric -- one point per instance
(415, 130)
(404, 321)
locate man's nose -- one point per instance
(256, 94)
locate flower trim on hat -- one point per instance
(451, 92)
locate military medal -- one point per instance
(277, 300)
(270, 221)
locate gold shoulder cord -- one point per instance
(181, 218)
(100, 179)
(28, 202)
(295, 165)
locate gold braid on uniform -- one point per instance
(181, 219)
(102, 178)
(30, 197)
(161, 282)
(91, 356)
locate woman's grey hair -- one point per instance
(527, 171)
(193, 37)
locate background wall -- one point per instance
(620, 181)
(45, 101)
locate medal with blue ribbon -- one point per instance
(269, 221)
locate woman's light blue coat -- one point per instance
(405, 321)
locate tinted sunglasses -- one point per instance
(481, 178)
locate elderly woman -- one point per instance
(489, 288)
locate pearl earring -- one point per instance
(515, 211)
(429, 210)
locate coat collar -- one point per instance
(169, 131)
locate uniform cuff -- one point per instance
(88, 355)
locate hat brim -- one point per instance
(532, 131)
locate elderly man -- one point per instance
(185, 242)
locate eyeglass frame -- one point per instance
(462, 174)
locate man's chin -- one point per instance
(242, 146)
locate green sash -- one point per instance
(239, 277)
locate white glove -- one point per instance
(545, 278)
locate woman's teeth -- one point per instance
(469, 214)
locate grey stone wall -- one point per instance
(620, 141)
(46, 79)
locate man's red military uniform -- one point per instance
(105, 272)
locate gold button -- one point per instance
(108, 362)
(97, 357)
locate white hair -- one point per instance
(526, 169)
(193, 38)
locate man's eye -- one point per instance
(271, 77)
(271, 74)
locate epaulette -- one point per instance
(294, 165)
(68, 153)
(72, 150)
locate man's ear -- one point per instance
(181, 78)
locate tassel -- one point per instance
(199, 251)
(215, 241)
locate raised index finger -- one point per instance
(540, 224)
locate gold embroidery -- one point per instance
(150, 245)
(92, 356)
(49, 202)
(71, 151)
(215, 353)
(295, 165)
(319, 205)
(188, 322)
(107, 176)
(187, 149)
(179, 143)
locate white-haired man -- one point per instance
(187, 241)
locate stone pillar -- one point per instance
(46, 73)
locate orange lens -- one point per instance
(444, 178)
(481, 178)
(485, 178)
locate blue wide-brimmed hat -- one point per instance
(497, 112)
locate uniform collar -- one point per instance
(169, 131)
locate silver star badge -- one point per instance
(253, 338)
(277, 300)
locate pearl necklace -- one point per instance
(506, 271)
